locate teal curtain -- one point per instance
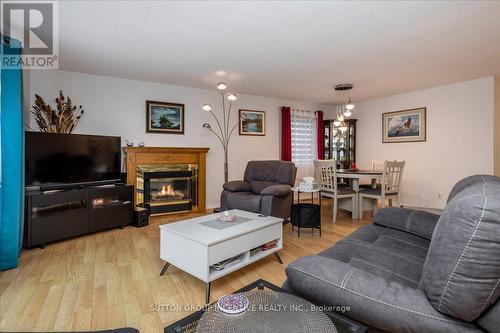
(11, 158)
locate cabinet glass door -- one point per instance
(340, 146)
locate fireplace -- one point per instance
(166, 189)
(183, 168)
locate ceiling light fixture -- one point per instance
(221, 86)
(343, 127)
(344, 91)
(349, 105)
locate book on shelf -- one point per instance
(225, 263)
(255, 251)
(269, 245)
(264, 247)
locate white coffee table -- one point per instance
(196, 244)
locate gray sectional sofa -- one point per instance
(413, 271)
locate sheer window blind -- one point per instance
(303, 136)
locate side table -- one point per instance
(306, 215)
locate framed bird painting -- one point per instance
(404, 126)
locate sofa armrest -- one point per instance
(237, 186)
(417, 222)
(372, 300)
(277, 190)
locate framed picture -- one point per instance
(404, 126)
(252, 122)
(162, 117)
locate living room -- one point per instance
(232, 145)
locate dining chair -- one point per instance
(326, 177)
(377, 166)
(390, 188)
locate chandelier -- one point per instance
(343, 111)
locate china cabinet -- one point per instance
(340, 146)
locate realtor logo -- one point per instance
(35, 26)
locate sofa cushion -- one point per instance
(417, 222)
(237, 186)
(461, 274)
(468, 181)
(282, 172)
(388, 253)
(277, 190)
(490, 321)
(373, 300)
(258, 186)
(244, 201)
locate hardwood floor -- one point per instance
(111, 279)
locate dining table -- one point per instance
(355, 176)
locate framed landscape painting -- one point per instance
(252, 122)
(163, 117)
(404, 126)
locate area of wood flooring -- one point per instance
(111, 279)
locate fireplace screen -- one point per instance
(168, 189)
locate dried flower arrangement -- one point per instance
(61, 120)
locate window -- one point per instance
(303, 141)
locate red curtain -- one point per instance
(321, 135)
(286, 133)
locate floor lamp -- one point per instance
(224, 128)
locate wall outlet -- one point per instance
(439, 195)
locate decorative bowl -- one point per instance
(305, 186)
(233, 304)
(226, 217)
(308, 180)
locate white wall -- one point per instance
(459, 138)
(497, 126)
(117, 107)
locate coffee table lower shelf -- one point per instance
(246, 260)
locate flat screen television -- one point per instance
(55, 160)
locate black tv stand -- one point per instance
(58, 214)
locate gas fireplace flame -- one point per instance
(167, 191)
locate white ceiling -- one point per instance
(284, 49)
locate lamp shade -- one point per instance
(349, 105)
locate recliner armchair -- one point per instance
(413, 271)
(265, 189)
